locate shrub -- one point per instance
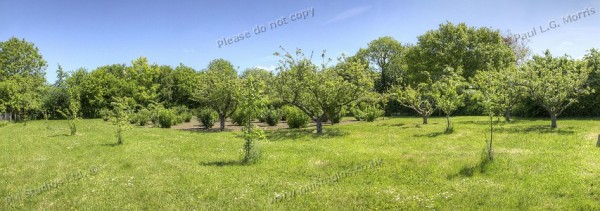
(240, 118)
(133, 119)
(371, 113)
(183, 114)
(296, 118)
(207, 116)
(155, 110)
(177, 120)
(142, 117)
(285, 110)
(105, 114)
(166, 118)
(272, 116)
(366, 112)
(336, 117)
(187, 117)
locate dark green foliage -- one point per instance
(367, 108)
(166, 118)
(105, 114)
(240, 118)
(183, 114)
(336, 116)
(207, 117)
(367, 112)
(187, 117)
(155, 113)
(133, 119)
(295, 118)
(272, 116)
(141, 118)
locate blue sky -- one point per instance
(89, 34)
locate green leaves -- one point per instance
(21, 76)
(449, 91)
(219, 89)
(120, 116)
(555, 82)
(19, 57)
(420, 99)
(318, 90)
(457, 46)
(387, 54)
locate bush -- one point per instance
(207, 116)
(177, 120)
(142, 117)
(296, 118)
(367, 112)
(133, 119)
(239, 118)
(336, 117)
(154, 117)
(183, 114)
(105, 114)
(271, 116)
(371, 113)
(166, 118)
(285, 110)
(187, 117)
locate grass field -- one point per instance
(420, 167)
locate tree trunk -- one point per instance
(319, 126)
(553, 119)
(490, 149)
(424, 119)
(447, 123)
(507, 115)
(222, 121)
(598, 143)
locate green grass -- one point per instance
(422, 167)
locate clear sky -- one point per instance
(89, 34)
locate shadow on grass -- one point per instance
(301, 134)
(58, 135)
(224, 163)
(392, 125)
(486, 122)
(469, 171)
(430, 135)
(110, 145)
(205, 130)
(536, 129)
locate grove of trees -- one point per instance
(454, 69)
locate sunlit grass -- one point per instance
(422, 167)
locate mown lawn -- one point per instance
(421, 167)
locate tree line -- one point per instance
(454, 70)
